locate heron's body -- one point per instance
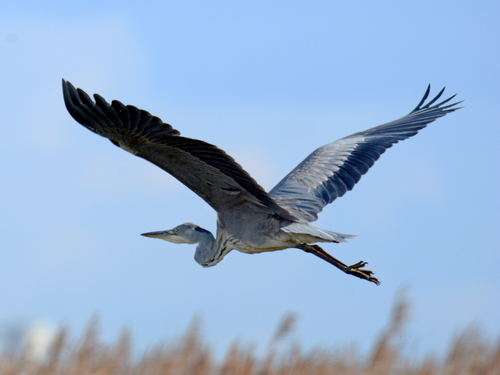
(248, 218)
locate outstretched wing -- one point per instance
(333, 169)
(202, 167)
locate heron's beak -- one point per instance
(171, 235)
(160, 234)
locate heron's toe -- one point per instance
(356, 270)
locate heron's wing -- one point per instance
(202, 167)
(333, 169)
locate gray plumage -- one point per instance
(248, 218)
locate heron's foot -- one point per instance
(356, 270)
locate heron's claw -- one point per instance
(356, 270)
(360, 264)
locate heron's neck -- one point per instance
(204, 250)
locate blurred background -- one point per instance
(268, 82)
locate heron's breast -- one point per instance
(263, 245)
(253, 233)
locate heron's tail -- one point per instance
(305, 233)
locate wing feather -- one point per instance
(332, 170)
(202, 167)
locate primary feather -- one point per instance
(333, 169)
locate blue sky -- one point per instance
(268, 82)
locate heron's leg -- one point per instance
(355, 269)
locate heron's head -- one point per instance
(184, 233)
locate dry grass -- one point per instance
(469, 354)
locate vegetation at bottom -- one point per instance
(469, 353)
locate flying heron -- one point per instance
(249, 219)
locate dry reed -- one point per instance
(469, 354)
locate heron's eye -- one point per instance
(176, 231)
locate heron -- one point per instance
(249, 219)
